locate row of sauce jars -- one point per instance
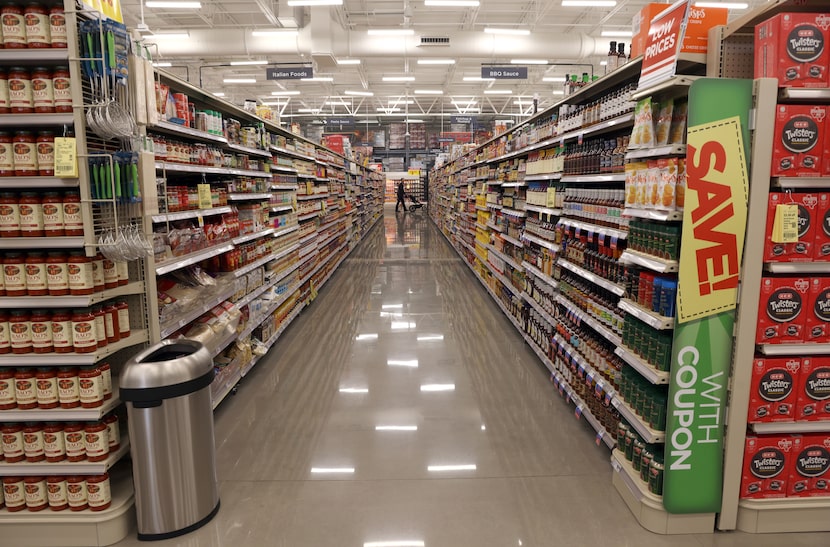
(82, 330)
(55, 442)
(57, 273)
(58, 493)
(34, 25)
(40, 90)
(50, 387)
(28, 154)
(30, 214)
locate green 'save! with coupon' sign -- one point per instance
(714, 226)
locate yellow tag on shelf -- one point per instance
(205, 201)
(309, 187)
(313, 291)
(551, 199)
(415, 172)
(66, 158)
(201, 221)
(785, 225)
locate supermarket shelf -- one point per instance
(774, 350)
(284, 186)
(650, 318)
(506, 259)
(331, 238)
(797, 267)
(804, 94)
(312, 196)
(613, 177)
(72, 359)
(513, 184)
(183, 215)
(279, 301)
(540, 275)
(480, 208)
(541, 242)
(255, 235)
(539, 309)
(33, 55)
(249, 196)
(664, 216)
(75, 528)
(652, 263)
(648, 434)
(37, 182)
(305, 176)
(276, 336)
(512, 240)
(186, 319)
(29, 469)
(256, 293)
(177, 263)
(227, 387)
(63, 414)
(621, 465)
(543, 210)
(239, 272)
(292, 153)
(285, 252)
(802, 182)
(785, 427)
(582, 409)
(513, 212)
(309, 216)
(203, 169)
(249, 150)
(283, 169)
(309, 248)
(784, 515)
(543, 177)
(603, 331)
(498, 275)
(41, 242)
(593, 228)
(35, 120)
(481, 226)
(646, 370)
(657, 152)
(229, 338)
(494, 206)
(678, 85)
(595, 279)
(33, 302)
(495, 227)
(285, 230)
(176, 129)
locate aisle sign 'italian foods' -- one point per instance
(663, 43)
(714, 224)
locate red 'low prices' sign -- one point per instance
(665, 38)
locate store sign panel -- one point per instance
(340, 121)
(504, 72)
(289, 72)
(446, 139)
(663, 44)
(469, 120)
(714, 225)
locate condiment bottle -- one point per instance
(14, 27)
(45, 144)
(14, 491)
(92, 391)
(80, 274)
(38, 31)
(98, 273)
(20, 332)
(54, 443)
(36, 274)
(75, 445)
(33, 442)
(69, 392)
(43, 94)
(72, 218)
(84, 338)
(57, 274)
(47, 388)
(57, 493)
(76, 493)
(57, 27)
(31, 214)
(123, 318)
(12, 435)
(36, 498)
(96, 437)
(62, 88)
(20, 90)
(98, 492)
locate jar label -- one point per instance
(31, 215)
(62, 90)
(20, 334)
(15, 496)
(84, 336)
(36, 493)
(54, 444)
(69, 390)
(57, 28)
(5, 339)
(57, 494)
(76, 493)
(123, 271)
(99, 493)
(7, 396)
(9, 216)
(42, 337)
(114, 433)
(14, 31)
(37, 28)
(20, 93)
(110, 272)
(46, 162)
(6, 156)
(80, 275)
(4, 93)
(62, 338)
(36, 276)
(91, 390)
(75, 445)
(124, 320)
(100, 329)
(13, 444)
(33, 443)
(109, 325)
(72, 216)
(57, 278)
(97, 273)
(97, 443)
(43, 94)
(25, 390)
(14, 277)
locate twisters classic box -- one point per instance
(798, 141)
(793, 48)
(809, 474)
(813, 401)
(773, 394)
(767, 465)
(821, 249)
(781, 315)
(808, 210)
(817, 326)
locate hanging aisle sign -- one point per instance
(663, 44)
(289, 73)
(504, 72)
(714, 226)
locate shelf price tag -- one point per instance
(66, 158)
(615, 403)
(785, 227)
(205, 201)
(600, 435)
(578, 412)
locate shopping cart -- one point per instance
(415, 205)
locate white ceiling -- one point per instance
(220, 32)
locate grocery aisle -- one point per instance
(402, 409)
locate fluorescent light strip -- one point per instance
(360, 93)
(620, 33)
(285, 93)
(471, 102)
(340, 470)
(399, 78)
(336, 103)
(219, 94)
(295, 3)
(163, 64)
(274, 103)
(309, 110)
(362, 337)
(428, 92)
(603, 63)
(528, 61)
(414, 121)
(728, 5)
(440, 468)
(391, 32)
(478, 79)
(508, 31)
(172, 4)
(392, 307)
(558, 92)
(318, 79)
(498, 92)
(410, 364)
(239, 80)
(396, 102)
(552, 79)
(589, 3)
(430, 337)
(275, 32)
(396, 428)
(483, 427)
(348, 61)
(170, 36)
(245, 63)
(354, 390)
(453, 3)
(438, 387)
(436, 61)
(401, 543)
(388, 110)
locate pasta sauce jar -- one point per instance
(52, 203)
(15, 494)
(14, 274)
(79, 267)
(61, 87)
(14, 27)
(46, 155)
(92, 390)
(36, 498)
(76, 493)
(96, 439)
(98, 492)
(33, 442)
(20, 91)
(20, 332)
(62, 332)
(6, 150)
(54, 443)
(83, 335)
(5, 340)
(57, 27)
(8, 400)
(25, 388)
(31, 212)
(9, 215)
(47, 388)
(57, 274)
(36, 274)
(69, 390)
(72, 219)
(4, 91)
(12, 435)
(56, 492)
(75, 443)
(43, 94)
(38, 31)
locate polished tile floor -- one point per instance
(402, 409)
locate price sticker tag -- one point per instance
(785, 226)
(600, 435)
(614, 242)
(578, 412)
(580, 137)
(205, 201)
(201, 221)
(590, 377)
(66, 157)
(607, 399)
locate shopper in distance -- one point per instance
(401, 197)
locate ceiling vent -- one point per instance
(434, 41)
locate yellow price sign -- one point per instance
(415, 172)
(66, 158)
(205, 200)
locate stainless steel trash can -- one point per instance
(167, 391)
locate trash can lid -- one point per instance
(167, 363)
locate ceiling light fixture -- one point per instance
(391, 32)
(332, 469)
(361, 337)
(396, 428)
(172, 4)
(478, 79)
(278, 93)
(275, 103)
(397, 363)
(614, 33)
(428, 92)
(436, 61)
(552, 79)
(318, 79)
(603, 63)
(453, 3)
(438, 387)
(360, 93)
(309, 110)
(219, 94)
(354, 390)
(275, 32)
(169, 36)
(396, 102)
(245, 63)
(296, 3)
(727, 5)
(395, 543)
(558, 92)
(348, 61)
(528, 61)
(588, 3)
(430, 337)
(163, 64)
(414, 121)
(508, 31)
(466, 467)
(498, 92)
(336, 103)
(469, 102)
(239, 80)
(399, 78)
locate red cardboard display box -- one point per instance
(793, 48)
(801, 251)
(767, 465)
(817, 326)
(798, 141)
(696, 39)
(774, 391)
(809, 475)
(781, 315)
(813, 403)
(821, 249)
